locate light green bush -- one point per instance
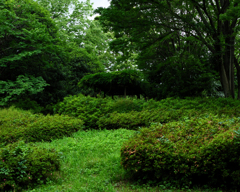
(16, 124)
(126, 105)
(89, 109)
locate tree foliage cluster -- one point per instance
(180, 44)
(46, 47)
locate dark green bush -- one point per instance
(25, 166)
(17, 125)
(27, 104)
(197, 151)
(113, 83)
(126, 105)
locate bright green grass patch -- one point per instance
(90, 161)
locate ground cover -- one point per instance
(90, 162)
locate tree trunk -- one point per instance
(238, 79)
(224, 80)
(238, 75)
(225, 61)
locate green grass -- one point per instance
(91, 163)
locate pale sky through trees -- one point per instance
(99, 3)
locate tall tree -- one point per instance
(29, 48)
(214, 23)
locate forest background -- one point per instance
(182, 48)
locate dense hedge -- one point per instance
(24, 166)
(196, 151)
(132, 113)
(23, 125)
(135, 119)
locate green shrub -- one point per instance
(24, 166)
(196, 151)
(17, 125)
(89, 109)
(213, 105)
(131, 120)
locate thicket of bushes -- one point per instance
(91, 109)
(26, 165)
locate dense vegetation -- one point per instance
(176, 143)
(142, 98)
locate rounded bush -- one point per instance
(196, 151)
(127, 105)
(26, 165)
(131, 120)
